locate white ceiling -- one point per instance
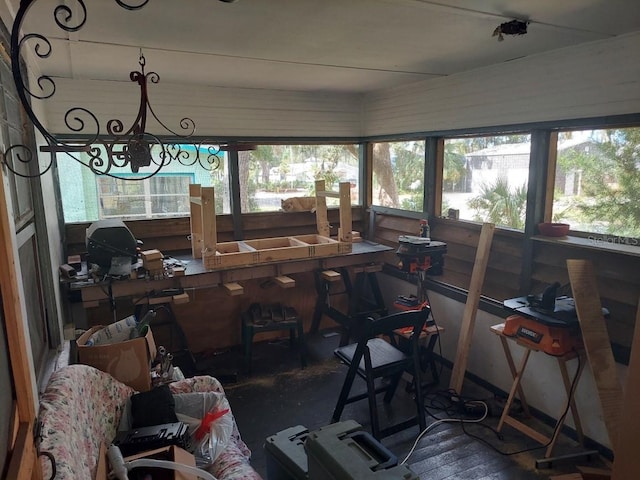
(352, 46)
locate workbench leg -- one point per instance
(514, 373)
(515, 387)
(572, 404)
(322, 293)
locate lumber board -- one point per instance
(209, 229)
(195, 191)
(471, 307)
(597, 343)
(626, 464)
(346, 224)
(284, 281)
(322, 221)
(233, 288)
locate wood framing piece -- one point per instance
(471, 307)
(195, 208)
(331, 276)
(597, 344)
(346, 224)
(284, 281)
(625, 464)
(24, 461)
(233, 288)
(181, 298)
(209, 231)
(322, 220)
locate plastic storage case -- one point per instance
(341, 451)
(286, 458)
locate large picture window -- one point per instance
(270, 175)
(398, 175)
(87, 197)
(485, 179)
(597, 183)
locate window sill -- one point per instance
(595, 242)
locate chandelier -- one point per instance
(108, 149)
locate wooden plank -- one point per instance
(233, 288)
(284, 281)
(23, 463)
(209, 231)
(597, 344)
(471, 307)
(626, 464)
(322, 223)
(346, 224)
(19, 347)
(331, 276)
(181, 298)
(195, 191)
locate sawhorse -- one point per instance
(362, 301)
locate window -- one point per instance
(87, 197)
(485, 179)
(398, 175)
(273, 173)
(158, 196)
(597, 183)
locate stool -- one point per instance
(269, 318)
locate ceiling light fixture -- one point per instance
(514, 27)
(107, 150)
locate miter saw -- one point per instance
(545, 322)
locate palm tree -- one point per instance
(497, 204)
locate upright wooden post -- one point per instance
(209, 230)
(626, 464)
(195, 207)
(23, 462)
(471, 307)
(322, 221)
(346, 225)
(597, 344)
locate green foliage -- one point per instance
(498, 204)
(609, 183)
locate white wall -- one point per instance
(216, 111)
(542, 382)
(590, 80)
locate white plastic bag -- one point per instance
(208, 439)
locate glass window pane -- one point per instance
(271, 175)
(485, 179)
(89, 197)
(597, 182)
(398, 175)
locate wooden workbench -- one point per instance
(211, 319)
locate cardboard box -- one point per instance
(128, 361)
(172, 453)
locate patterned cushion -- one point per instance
(81, 408)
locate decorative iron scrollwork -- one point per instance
(118, 147)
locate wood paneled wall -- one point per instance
(589, 80)
(617, 271)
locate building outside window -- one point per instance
(597, 183)
(485, 179)
(398, 175)
(87, 197)
(282, 177)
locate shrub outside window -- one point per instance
(485, 179)
(597, 183)
(271, 174)
(398, 175)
